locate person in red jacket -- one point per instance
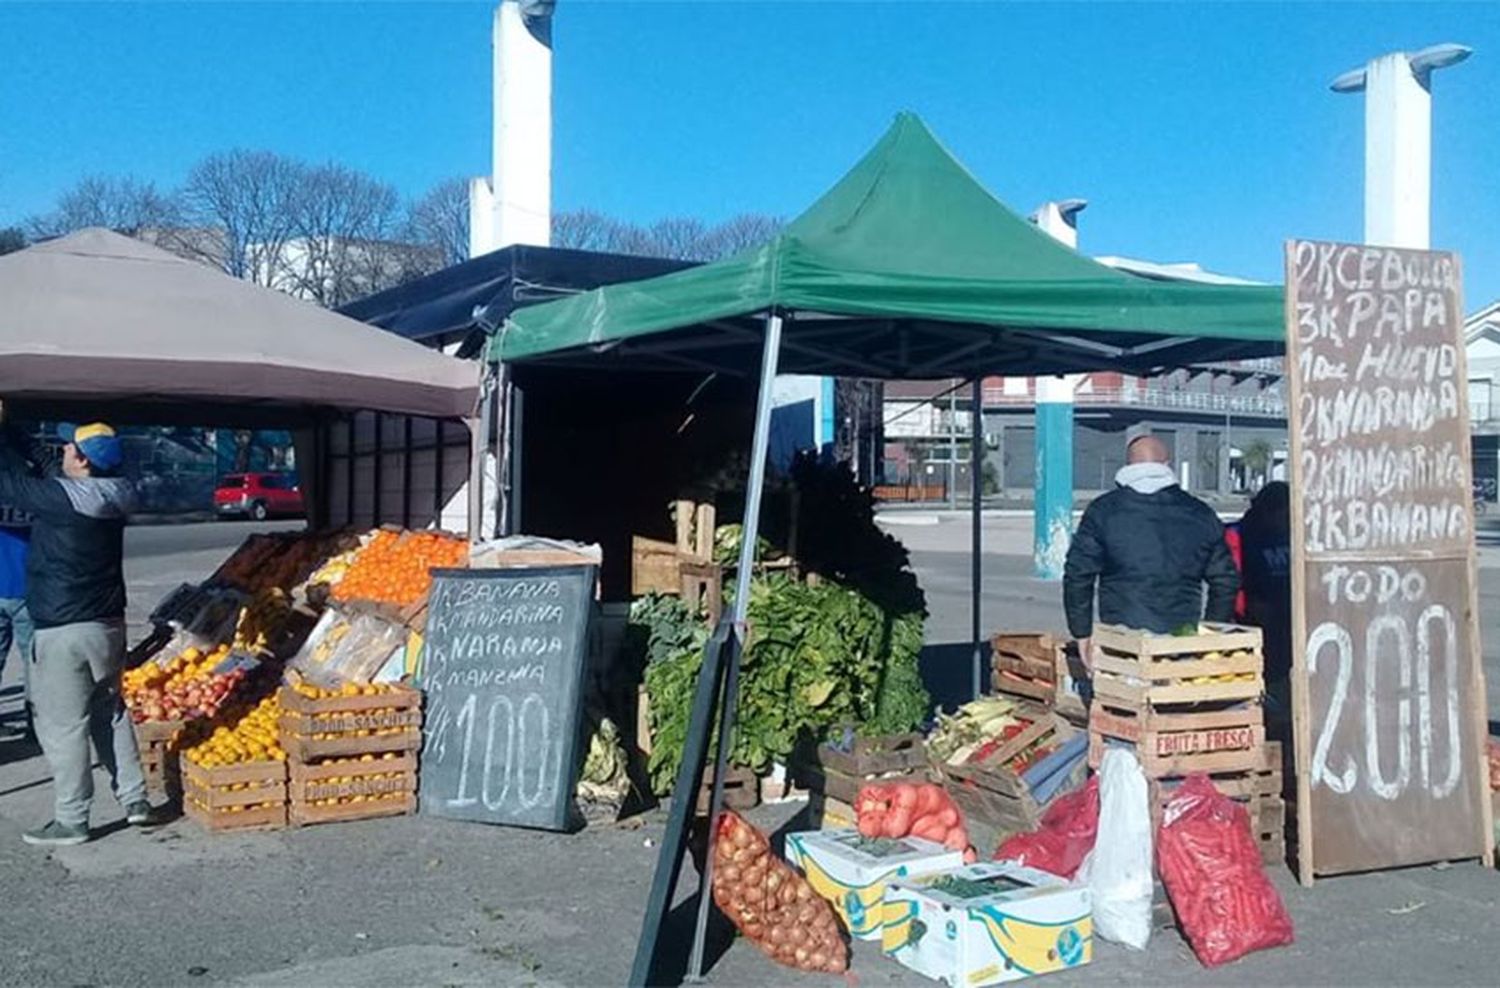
(1233, 539)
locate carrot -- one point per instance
(929, 828)
(930, 797)
(957, 839)
(904, 795)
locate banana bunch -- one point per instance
(604, 778)
(261, 620)
(334, 569)
(971, 725)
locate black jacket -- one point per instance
(75, 570)
(1149, 555)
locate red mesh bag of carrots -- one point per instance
(1064, 837)
(1213, 873)
(771, 904)
(903, 809)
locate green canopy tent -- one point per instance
(906, 269)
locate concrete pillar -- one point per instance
(1052, 520)
(1398, 141)
(518, 191)
(1053, 511)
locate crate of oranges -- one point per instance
(353, 788)
(234, 777)
(394, 568)
(370, 719)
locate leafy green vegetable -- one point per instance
(840, 651)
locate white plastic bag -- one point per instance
(1118, 869)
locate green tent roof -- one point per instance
(907, 268)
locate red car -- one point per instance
(258, 496)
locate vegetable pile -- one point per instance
(770, 903)
(1212, 869)
(975, 731)
(1064, 838)
(819, 657)
(901, 809)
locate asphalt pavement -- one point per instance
(424, 901)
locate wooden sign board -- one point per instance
(1388, 689)
(503, 669)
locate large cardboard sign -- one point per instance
(1388, 690)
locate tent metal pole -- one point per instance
(503, 479)
(750, 532)
(976, 550)
(479, 444)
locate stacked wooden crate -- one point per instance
(1007, 789)
(351, 756)
(833, 775)
(1024, 664)
(157, 742)
(247, 796)
(1191, 704)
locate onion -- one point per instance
(755, 875)
(774, 880)
(753, 893)
(804, 892)
(778, 935)
(741, 856)
(817, 960)
(742, 836)
(801, 955)
(730, 873)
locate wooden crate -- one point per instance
(339, 778)
(741, 790)
(350, 725)
(248, 796)
(1135, 668)
(1069, 678)
(157, 742)
(1024, 664)
(395, 804)
(1179, 740)
(994, 795)
(827, 812)
(842, 774)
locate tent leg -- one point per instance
(503, 479)
(720, 666)
(479, 445)
(976, 551)
(750, 535)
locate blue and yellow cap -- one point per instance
(96, 441)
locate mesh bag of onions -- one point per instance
(771, 904)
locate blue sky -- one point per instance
(1197, 132)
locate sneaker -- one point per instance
(56, 834)
(139, 813)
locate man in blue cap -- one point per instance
(76, 596)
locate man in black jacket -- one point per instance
(1149, 547)
(76, 595)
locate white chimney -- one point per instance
(1398, 141)
(514, 204)
(1060, 219)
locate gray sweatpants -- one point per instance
(75, 692)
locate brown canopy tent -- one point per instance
(96, 325)
(96, 315)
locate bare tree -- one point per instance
(439, 221)
(123, 204)
(740, 233)
(241, 211)
(343, 247)
(12, 239)
(585, 229)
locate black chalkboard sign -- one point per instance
(503, 670)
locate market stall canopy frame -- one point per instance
(454, 304)
(102, 317)
(908, 268)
